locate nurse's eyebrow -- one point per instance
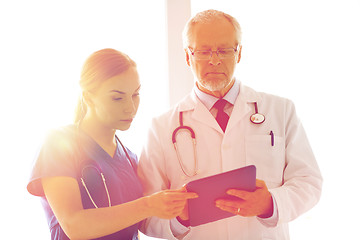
(117, 91)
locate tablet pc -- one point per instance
(202, 209)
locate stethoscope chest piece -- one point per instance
(257, 118)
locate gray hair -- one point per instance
(206, 17)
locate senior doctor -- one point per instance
(234, 126)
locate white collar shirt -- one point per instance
(209, 100)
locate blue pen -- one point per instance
(272, 138)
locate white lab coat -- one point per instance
(288, 168)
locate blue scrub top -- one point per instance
(70, 152)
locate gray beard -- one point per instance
(214, 86)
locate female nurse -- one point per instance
(85, 176)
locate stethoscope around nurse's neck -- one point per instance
(94, 165)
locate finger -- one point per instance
(185, 196)
(182, 189)
(230, 203)
(236, 210)
(181, 195)
(182, 212)
(191, 195)
(230, 209)
(181, 204)
(178, 209)
(260, 183)
(238, 193)
(170, 209)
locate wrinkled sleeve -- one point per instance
(302, 178)
(270, 221)
(55, 158)
(152, 173)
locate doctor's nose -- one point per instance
(214, 59)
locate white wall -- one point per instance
(179, 74)
(304, 50)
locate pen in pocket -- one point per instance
(272, 138)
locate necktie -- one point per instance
(222, 118)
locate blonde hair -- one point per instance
(99, 67)
(206, 17)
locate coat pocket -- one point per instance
(267, 156)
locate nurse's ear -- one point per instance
(87, 97)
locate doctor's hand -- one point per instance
(184, 215)
(168, 204)
(258, 203)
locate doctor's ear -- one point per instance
(187, 57)
(239, 54)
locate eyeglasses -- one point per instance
(222, 53)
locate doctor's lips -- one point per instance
(214, 73)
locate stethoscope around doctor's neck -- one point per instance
(255, 118)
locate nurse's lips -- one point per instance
(127, 120)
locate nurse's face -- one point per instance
(116, 101)
(213, 74)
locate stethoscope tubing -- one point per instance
(105, 186)
(256, 118)
(192, 133)
(103, 177)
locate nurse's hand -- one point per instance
(169, 204)
(258, 203)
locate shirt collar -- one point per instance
(209, 100)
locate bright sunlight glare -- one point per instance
(307, 51)
(43, 47)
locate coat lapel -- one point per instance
(243, 105)
(199, 112)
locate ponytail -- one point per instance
(80, 110)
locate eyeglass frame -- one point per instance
(211, 53)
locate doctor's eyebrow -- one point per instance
(208, 47)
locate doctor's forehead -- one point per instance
(208, 36)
